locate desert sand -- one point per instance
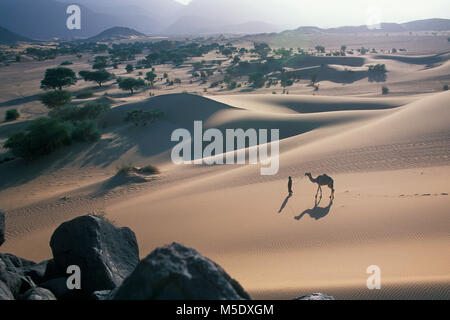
(388, 155)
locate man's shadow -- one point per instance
(317, 212)
(285, 202)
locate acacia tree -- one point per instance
(129, 68)
(58, 78)
(320, 49)
(150, 77)
(131, 84)
(100, 76)
(258, 79)
(100, 63)
(57, 98)
(262, 49)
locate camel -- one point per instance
(322, 180)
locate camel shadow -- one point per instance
(285, 202)
(316, 212)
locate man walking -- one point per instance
(290, 185)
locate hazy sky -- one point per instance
(331, 13)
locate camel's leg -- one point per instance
(317, 192)
(320, 188)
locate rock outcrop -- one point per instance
(2, 227)
(315, 296)
(37, 294)
(108, 258)
(105, 254)
(12, 281)
(179, 272)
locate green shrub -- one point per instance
(142, 118)
(58, 78)
(11, 115)
(384, 90)
(445, 87)
(42, 137)
(84, 94)
(149, 169)
(57, 98)
(129, 68)
(66, 63)
(125, 168)
(130, 84)
(85, 131)
(99, 76)
(90, 111)
(258, 79)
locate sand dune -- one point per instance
(389, 158)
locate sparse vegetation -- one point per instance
(258, 79)
(129, 68)
(124, 168)
(127, 168)
(42, 137)
(141, 118)
(262, 49)
(384, 90)
(131, 84)
(149, 169)
(99, 77)
(85, 131)
(11, 115)
(150, 77)
(90, 111)
(84, 93)
(57, 98)
(314, 77)
(445, 87)
(320, 49)
(58, 78)
(100, 63)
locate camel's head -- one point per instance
(308, 174)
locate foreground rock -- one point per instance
(315, 296)
(37, 294)
(12, 281)
(179, 272)
(2, 227)
(105, 254)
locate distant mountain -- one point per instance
(116, 33)
(46, 19)
(195, 25)
(428, 25)
(149, 16)
(419, 25)
(8, 37)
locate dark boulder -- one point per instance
(181, 273)
(42, 272)
(37, 294)
(101, 295)
(315, 296)
(5, 293)
(12, 263)
(59, 288)
(105, 254)
(2, 227)
(11, 275)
